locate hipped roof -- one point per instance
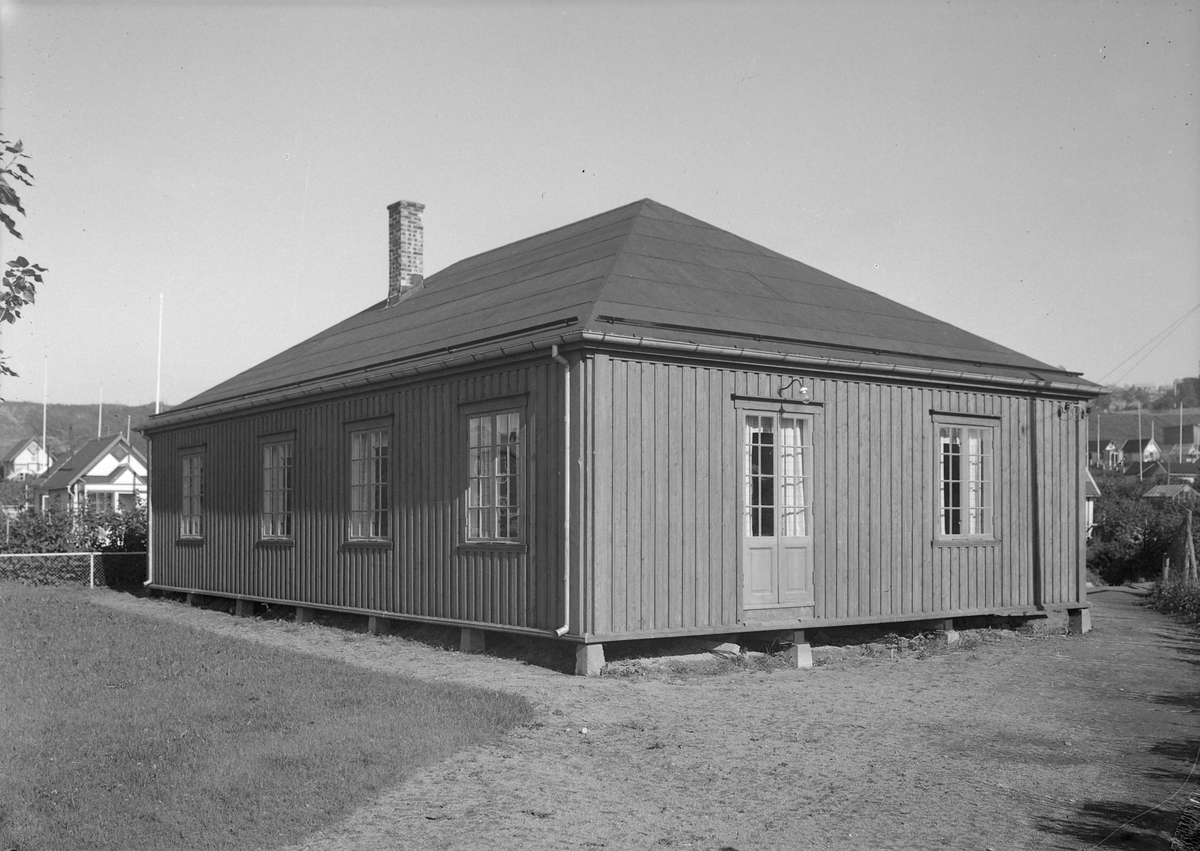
(640, 274)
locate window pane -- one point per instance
(370, 492)
(965, 480)
(494, 476)
(277, 489)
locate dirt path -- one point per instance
(1029, 742)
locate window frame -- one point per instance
(267, 518)
(985, 483)
(191, 524)
(493, 408)
(382, 536)
(793, 472)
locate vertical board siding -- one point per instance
(425, 571)
(655, 495)
(667, 529)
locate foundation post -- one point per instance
(194, 599)
(1079, 621)
(799, 655)
(472, 640)
(947, 627)
(378, 625)
(589, 659)
(305, 615)
(244, 608)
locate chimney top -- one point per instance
(406, 248)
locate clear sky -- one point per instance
(1029, 171)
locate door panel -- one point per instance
(760, 576)
(776, 509)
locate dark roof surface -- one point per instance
(66, 472)
(645, 271)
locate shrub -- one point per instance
(86, 530)
(1131, 534)
(1177, 598)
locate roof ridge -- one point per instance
(540, 235)
(606, 277)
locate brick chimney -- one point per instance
(406, 248)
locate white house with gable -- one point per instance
(106, 473)
(28, 459)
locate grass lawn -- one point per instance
(123, 733)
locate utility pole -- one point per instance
(1141, 448)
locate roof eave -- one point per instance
(425, 365)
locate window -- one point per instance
(778, 476)
(191, 515)
(277, 489)
(370, 464)
(965, 476)
(495, 486)
(100, 502)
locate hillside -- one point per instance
(1119, 426)
(67, 426)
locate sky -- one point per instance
(1028, 171)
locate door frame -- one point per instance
(776, 407)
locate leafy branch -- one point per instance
(21, 278)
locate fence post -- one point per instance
(1166, 569)
(92, 571)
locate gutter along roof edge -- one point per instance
(395, 372)
(869, 369)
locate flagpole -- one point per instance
(158, 371)
(45, 400)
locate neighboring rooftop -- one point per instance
(67, 471)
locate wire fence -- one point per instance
(95, 570)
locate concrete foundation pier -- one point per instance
(1079, 621)
(304, 614)
(244, 608)
(799, 655)
(947, 627)
(378, 625)
(589, 660)
(472, 640)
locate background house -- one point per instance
(27, 459)
(636, 425)
(1091, 493)
(1162, 471)
(1181, 442)
(1103, 454)
(105, 473)
(1140, 449)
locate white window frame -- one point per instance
(964, 479)
(495, 509)
(277, 517)
(370, 479)
(191, 511)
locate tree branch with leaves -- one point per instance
(21, 278)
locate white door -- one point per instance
(776, 510)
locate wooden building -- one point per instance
(637, 425)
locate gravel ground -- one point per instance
(1013, 741)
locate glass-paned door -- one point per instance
(776, 509)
